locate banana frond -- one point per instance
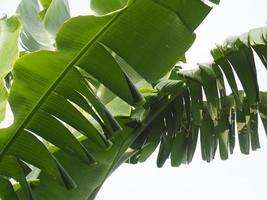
(53, 96)
(173, 117)
(205, 108)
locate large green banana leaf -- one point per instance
(181, 8)
(172, 118)
(50, 93)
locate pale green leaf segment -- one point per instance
(9, 52)
(3, 99)
(56, 14)
(34, 36)
(41, 24)
(49, 90)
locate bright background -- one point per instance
(241, 177)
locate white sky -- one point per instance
(241, 177)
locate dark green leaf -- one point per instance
(7, 191)
(210, 88)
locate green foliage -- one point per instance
(9, 52)
(103, 90)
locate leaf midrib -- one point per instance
(61, 76)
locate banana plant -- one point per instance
(65, 127)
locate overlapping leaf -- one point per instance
(179, 110)
(179, 117)
(9, 52)
(40, 26)
(50, 92)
